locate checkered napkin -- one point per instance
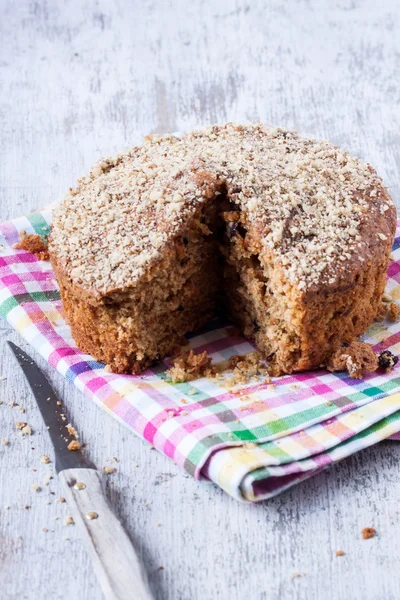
(253, 441)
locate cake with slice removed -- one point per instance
(288, 237)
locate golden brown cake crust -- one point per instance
(306, 238)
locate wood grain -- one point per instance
(120, 575)
(84, 79)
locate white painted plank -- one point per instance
(85, 79)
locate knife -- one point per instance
(114, 559)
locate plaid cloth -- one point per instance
(254, 441)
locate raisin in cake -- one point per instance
(290, 237)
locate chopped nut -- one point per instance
(69, 520)
(74, 445)
(26, 430)
(368, 532)
(44, 459)
(61, 499)
(36, 487)
(339, 553)
(20, 425)
(27, 506)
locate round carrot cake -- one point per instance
(288, 237)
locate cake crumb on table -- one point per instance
(357, 359)
(44, 459)
(109, 470)
(368, 532)
(72, 430)
(69, 520)
(190, 366)
(340, 553)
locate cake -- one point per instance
(288, 237)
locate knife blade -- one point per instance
(52, 412)
(119, 572)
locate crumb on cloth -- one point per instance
(389, 309)
(246, 366)
(394, 312)
(190, 366)
(34, 244)
(357, 359)
(387, 360)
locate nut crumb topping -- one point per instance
(310, 199)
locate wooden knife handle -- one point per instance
(116, 564)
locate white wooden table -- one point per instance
(81, 79)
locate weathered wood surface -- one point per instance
(84, 79)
